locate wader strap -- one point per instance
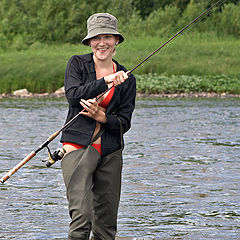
(121, 131)
(101, 131)
(98, 135)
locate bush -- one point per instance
(228, 21)
(134, 27)
(224, 20)
(192, 11)
(162, 22)
(53, 20)
(152, 83)
(24, 22)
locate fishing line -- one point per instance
(177, 34)
(190, 25)
(205, 16)
(54, 135)
(198, 21)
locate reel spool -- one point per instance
(58, 154)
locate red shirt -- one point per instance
(104, 103)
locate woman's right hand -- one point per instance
(117, 78)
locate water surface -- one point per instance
(180, 178)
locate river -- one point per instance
(181, 170)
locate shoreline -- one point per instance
(190, 95)
(60, 93)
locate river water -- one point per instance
(181, 171)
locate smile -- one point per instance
(102, 50)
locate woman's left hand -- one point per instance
(117, 78)
(93, 110)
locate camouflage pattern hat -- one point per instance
(102, 23)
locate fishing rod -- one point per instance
(170, 39)
(58, 154)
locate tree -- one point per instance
(145, 8)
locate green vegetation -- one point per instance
(187, 84)
(22, 23)
(193, 62)
(38, 37)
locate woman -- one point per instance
(92, 174)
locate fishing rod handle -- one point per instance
(53, 136)
(28, 157)
(19, 165)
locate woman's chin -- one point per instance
(103, 55)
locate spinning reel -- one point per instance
(58, 154)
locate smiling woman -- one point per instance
(93, 144)
(103, 45)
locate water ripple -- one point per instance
(180, 178)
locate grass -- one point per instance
(192, 54)
(195, 60)
(156, 84)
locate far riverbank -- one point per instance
(193, 63)
(60, 93)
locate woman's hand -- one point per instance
(93, 110)
(117, 78)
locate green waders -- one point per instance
(93, 186)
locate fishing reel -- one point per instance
(54, 157)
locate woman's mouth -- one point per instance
(102, 50)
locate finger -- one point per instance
(119, 80)
(94, 102)
(90, 105)
(116, 81)
(90, 102)
(89, 111)
(85, 106)
(122, 79)
(84, 113)
(125, 75)
(85, 103)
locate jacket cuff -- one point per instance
(101, 86)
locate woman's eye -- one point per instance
(96, 38)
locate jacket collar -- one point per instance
(88, 58)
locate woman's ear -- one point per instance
(117, 40)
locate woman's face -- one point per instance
(103, 46)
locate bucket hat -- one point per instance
(102, 23)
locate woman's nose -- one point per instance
(102, 41)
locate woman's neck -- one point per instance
(107, 63)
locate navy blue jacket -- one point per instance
(81, 83)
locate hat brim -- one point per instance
(98, 31)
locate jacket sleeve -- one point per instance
(76, 85)
(125, 110)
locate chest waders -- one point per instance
(93, 186)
